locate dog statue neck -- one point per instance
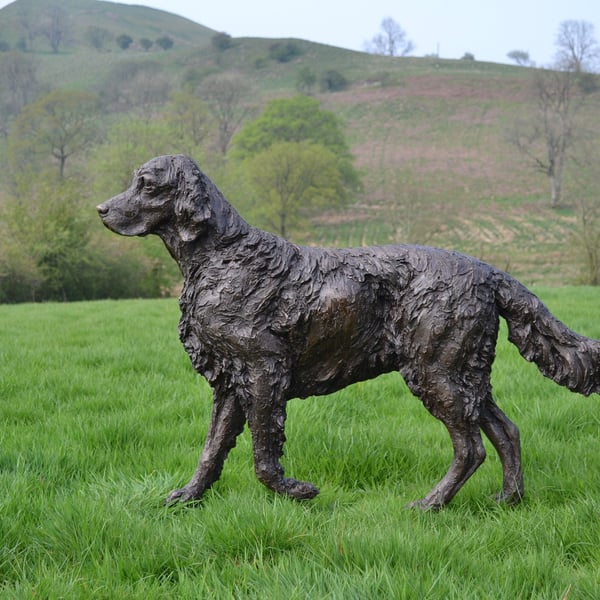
(222, 229)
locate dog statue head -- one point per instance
(169, 195)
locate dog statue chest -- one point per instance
(221, 315)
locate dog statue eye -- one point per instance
(146, 185)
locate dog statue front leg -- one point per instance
(266, 418)
(227, 422)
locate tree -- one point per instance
(46, 241)
(129, 143)
(298, 119)
(226, 96)
(391, 40)
(221, 41)
(549, 133)
(333, 81)
(146, 44)
(188, 117)
(51, 247)
(18, 85)
(578, 50)
(98, 37)
(124, 41)
(60, 124)
(559, 94)
(306, 80)
(29, 24)
(55, 26)
(137, 84)
(289, 131)
(165, 42)
(284, 51)
(292, 180)
(520, 57)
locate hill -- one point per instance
(429, 135)
(136, 21)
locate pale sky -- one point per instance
(488, 29)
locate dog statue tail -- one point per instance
(570, 359)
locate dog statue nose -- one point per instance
(102, 209)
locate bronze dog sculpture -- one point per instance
(265, 321)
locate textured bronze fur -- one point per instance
(265, 321)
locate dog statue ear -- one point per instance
(192, 205)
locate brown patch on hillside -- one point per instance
(440, 86)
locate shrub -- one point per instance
(165, 42)
(333, 81)
(221, 41)
(284, 51)
(588, 82)
(306, 80)
(124, 41)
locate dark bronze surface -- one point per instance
(265, 321)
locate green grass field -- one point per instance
(101, 416)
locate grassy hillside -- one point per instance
(429, 136)
(135, 20)
(438, 169)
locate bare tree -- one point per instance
(29, 24)
(225, 96)
(18, 86)
(549, 133)
(391, 40)
(136, 84)
(578, 50)
(188, 115)
(18, 79)
(56, 26)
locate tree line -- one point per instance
(54, 26)
(67, 150)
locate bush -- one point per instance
(124, 41)
(165, 42)
(221, 41)
(306, 80)
(52, 247)
(284, 51)
(588, 83)
(97, 37)
(333, 81)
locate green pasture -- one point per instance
(101, 416)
